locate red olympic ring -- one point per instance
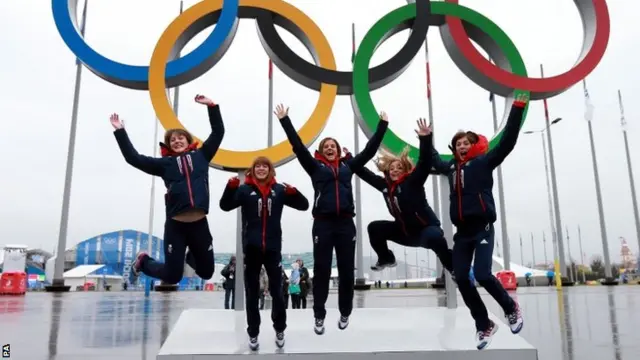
(550, 84)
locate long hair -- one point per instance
(261, 160)
(384, 160)
(183, 132)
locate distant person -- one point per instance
(184, 168)
(262, 200)
(550, 275)
(415, 223)
(229, 284)
(294, 286)
(333, 212)
(285, 288)
(305, 284)
(473, 213)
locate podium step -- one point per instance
(398, 333)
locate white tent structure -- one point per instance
(82, 274)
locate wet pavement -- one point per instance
(585, 323)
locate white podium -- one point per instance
(401, 334)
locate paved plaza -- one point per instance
(586, 323)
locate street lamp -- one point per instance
(552, 188)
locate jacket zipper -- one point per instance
(459, 187)
(424, 222)
(335, 173)
(482, 202)
(396, 212)
(187, 176)
(264, 224)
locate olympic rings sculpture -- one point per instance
(458, 26)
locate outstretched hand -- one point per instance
(384, 117)
(201, 99)
(116, 122)
(423, 128)
(281, 112)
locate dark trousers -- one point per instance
(254, 259)
(481, 242)
(431, 237)
(261, 302)
(303, 300)
(178, 236)
(327, 235)
(295, 301)
(230, 298)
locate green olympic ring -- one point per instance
(379, 32)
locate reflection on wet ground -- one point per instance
(583, 323)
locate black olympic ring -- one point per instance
(313, 76)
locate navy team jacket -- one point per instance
(471, 180)
(333, 194)
(185, 175)
(261, 207)
(405, 197)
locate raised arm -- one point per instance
(309, 164)
(230, 199)
(295, 199)
(374, 180)
(423, 167)
(212, 144)
(147, 164)
(360, 160)
(496, 156)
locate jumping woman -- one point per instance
(184, 168)
(262, 200)
(415, 224)
(473, 212)
(333, 212)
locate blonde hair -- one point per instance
(384, 161)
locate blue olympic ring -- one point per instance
(136, 76)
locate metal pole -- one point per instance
(434, 179)
(634, 197)
(406, 267)
(270, 109)
(152, 201)
(554, 188)
(417, 265)
(239, 290)
(584, 279)
(521, 252)
(506, 247)
(603, 229)
(447, 228)
(571, 267)
(58, 272)
(533, 252)
(544, 244)
(360, 280)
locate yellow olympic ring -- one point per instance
(233, 159)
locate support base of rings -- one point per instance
(400, 333)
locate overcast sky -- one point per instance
(108, 195)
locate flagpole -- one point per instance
(554, 188)
(596, 175)
(584, 279)
(503, 208)
(634, 198)
(57, 284)
(360, 283)
(533, 255)
(521, 252)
